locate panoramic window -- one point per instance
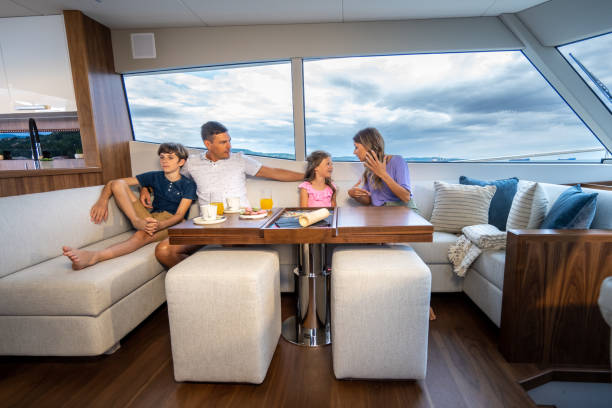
(592, 59)
(490, 106)
(252, 101)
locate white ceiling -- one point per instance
(121, 14)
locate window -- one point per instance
(252, 101)
(443, 107)
(591, 58)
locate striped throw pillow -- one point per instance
(458, 205)
(528, 207)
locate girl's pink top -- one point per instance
(318, 198)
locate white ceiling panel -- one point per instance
(512, 6)
(122, 13)
(242, 12)
(9, 8)
(134, 14)
(360, 10)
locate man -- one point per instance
(218, 171)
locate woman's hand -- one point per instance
(357, 192)
(145, 197)
(99, 211)
(376, 166)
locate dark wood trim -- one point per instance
(48, 172)
(38, 181)
(549, 308)
(573, 375)
(103, 115)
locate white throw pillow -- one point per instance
(459, 205)
(528, 207)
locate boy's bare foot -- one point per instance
(432, 315)
(80, 258)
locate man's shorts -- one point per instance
(143, 213)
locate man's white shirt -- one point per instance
(226, 177)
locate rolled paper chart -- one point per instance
(313, 216)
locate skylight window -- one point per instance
(592, 59)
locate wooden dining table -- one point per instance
(348, 225)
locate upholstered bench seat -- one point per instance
(224, 312)
(52, 288)
(380, 312)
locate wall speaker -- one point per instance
(143, 45)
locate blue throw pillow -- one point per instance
(502, 200)
(574, 209)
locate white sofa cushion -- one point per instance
(458, 205)
(490, 264)
(435, 252)
(528, 207)
(52, 288)
(49, 220)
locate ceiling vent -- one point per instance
(143, 45)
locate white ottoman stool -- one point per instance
(379, 312)
(224, 313)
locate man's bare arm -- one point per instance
(279, 174)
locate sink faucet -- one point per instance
(35, 143)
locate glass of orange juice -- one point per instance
(266, 199)
(217, 199)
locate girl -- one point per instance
(318, 190)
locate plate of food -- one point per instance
(252, 214)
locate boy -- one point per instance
(173, 197)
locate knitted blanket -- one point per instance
(470, 245)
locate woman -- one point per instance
(385, 180)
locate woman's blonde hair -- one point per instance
(372, 140)
(313, 160)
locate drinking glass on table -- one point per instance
(217, 199)
(266, 199)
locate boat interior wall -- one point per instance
(144, 158)
(200, 46)
(559, 22)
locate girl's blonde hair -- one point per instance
(372, 140)
(313, 160)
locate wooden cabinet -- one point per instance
(35, 67)
(549, 308)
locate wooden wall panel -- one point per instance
(551, 285)
(103, 113)
(42, 182)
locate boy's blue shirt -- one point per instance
(167, 194)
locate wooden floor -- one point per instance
(464, 369)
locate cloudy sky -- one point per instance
(462, 105)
